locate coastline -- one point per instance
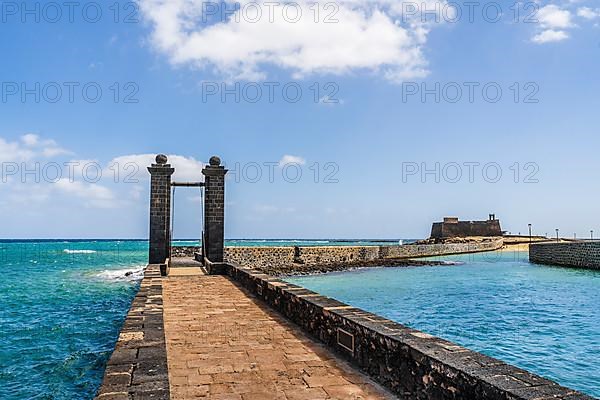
(516, 247)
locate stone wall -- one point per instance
(466, 228)
(569, 254)
(185, 251)
(440, 249)
(412, 364)
(287, 260)
(137, 368)
(323, 255)
(260, 256)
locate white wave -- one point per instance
(68, 251)
(452, 262)
(127, 274)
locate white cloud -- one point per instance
(289, 159)
(93, 194)
(550, 35)
(46, 147)
(553, 17)
(30, 146)
(61, 192)
(26, 195)
(40, 177)
(52, 150)
(588, 13)
(30, 139)
(367, 37)
(553, 24)
(14, 152)
(133, 167)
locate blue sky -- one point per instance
(370, 147)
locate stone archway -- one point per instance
(160, 209)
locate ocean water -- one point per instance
(541, 318)
(62, 303)
(61, 307)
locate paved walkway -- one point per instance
(224, 344)
(186, 271)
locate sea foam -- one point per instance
(68, 251)
(135, 273)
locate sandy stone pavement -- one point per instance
(222, 343)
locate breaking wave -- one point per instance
(452, 262)
(135, 273)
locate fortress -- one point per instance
(452, 227)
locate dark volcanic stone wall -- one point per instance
(569, 254)
(440, 249)
(288, 260)
(262, 256)
(466, 228)
(137, 368)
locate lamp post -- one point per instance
(557, 240)
(529, 226)
(592, 234)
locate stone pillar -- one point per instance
(160, 210)
(214, 209)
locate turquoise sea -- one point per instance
(62, 303)
(541, 318)
(61, 308)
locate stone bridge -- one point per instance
(219, 330)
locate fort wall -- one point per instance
(466, 228)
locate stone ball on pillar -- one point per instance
(214, 161)
(161, 159)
